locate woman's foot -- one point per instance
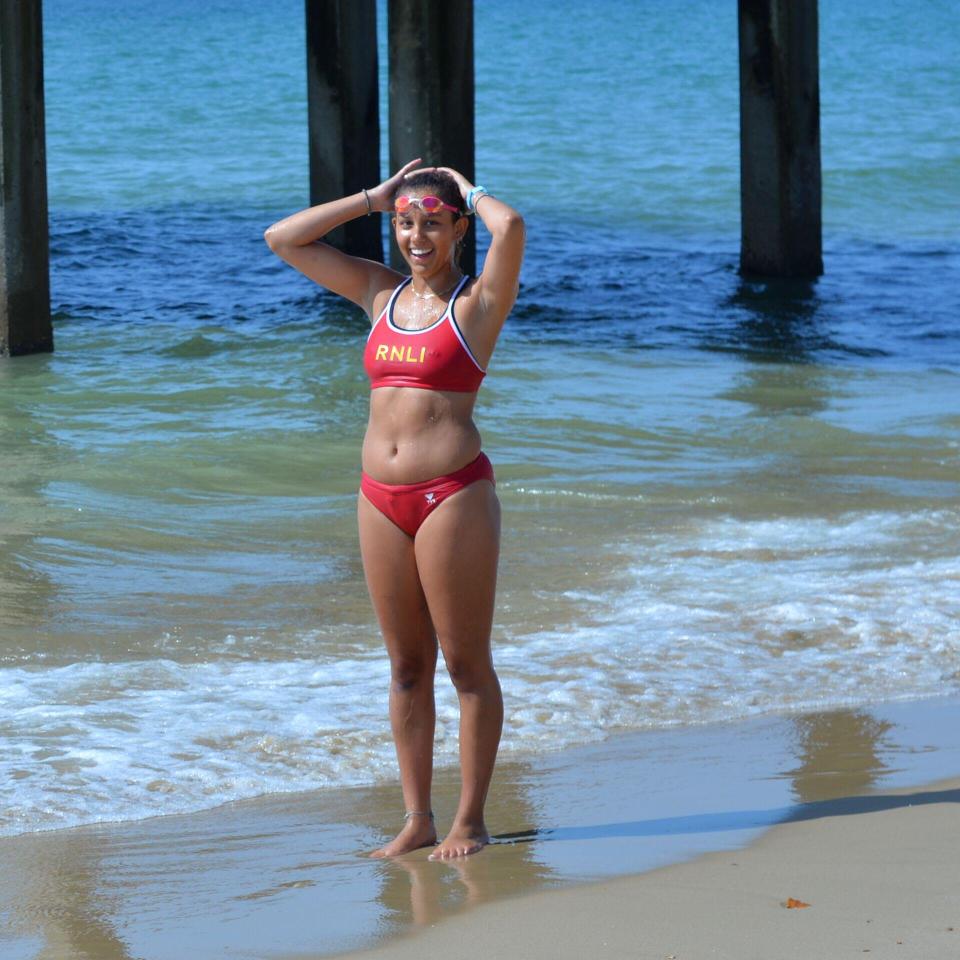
(461, 841)
(417, 832)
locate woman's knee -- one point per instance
(410, 671)
(471, 674)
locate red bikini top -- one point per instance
(434, 358)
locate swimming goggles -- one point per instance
(429, 204)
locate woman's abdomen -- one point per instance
(415, 435)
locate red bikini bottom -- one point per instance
(409, 504)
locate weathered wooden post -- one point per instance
(25, 325)
(431, 92)
(343, 108)
(780, 138)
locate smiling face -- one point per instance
(428, 241)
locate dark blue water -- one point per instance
(877, 302)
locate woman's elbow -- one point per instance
(272, 237)
(511, 224)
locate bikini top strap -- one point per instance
(456, 293)
(386, 310)
(394, 295)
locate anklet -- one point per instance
(417, 813)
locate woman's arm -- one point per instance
(296, 240)
(500, 280)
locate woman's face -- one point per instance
(428, 241)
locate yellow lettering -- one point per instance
(401, 353)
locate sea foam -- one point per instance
(709, 620)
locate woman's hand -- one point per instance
(462, 182)
(381, 196)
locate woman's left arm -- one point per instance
(499, 282)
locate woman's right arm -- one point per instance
(296, 240)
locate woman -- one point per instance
(428, 513)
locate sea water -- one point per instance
(721, 497)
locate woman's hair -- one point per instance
(440, 184)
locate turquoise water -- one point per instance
(156, 105)
(720, 497)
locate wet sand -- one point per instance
(587, 841)
(878, 876)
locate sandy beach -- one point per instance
(878, 876)
(727, 623)
(671, 843)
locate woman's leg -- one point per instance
(390, 568)
(457, 549)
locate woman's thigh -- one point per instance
(457, 550)
(390, 568)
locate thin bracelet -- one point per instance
(478, 199)
(367, 198)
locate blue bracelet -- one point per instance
(473, 196)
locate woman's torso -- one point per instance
(423, 430)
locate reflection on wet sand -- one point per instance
(839, 754)
(419, 891)
(54, 893)
(295, 862)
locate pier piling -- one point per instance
(343, 110)
(780, 191)
(431, 92)
(25, 324)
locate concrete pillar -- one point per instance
(779, 138)
(431, 92)
(25, 325)
(343, 109)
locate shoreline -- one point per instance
(872, 875)
(285, 875)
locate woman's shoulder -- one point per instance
(390, 284)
